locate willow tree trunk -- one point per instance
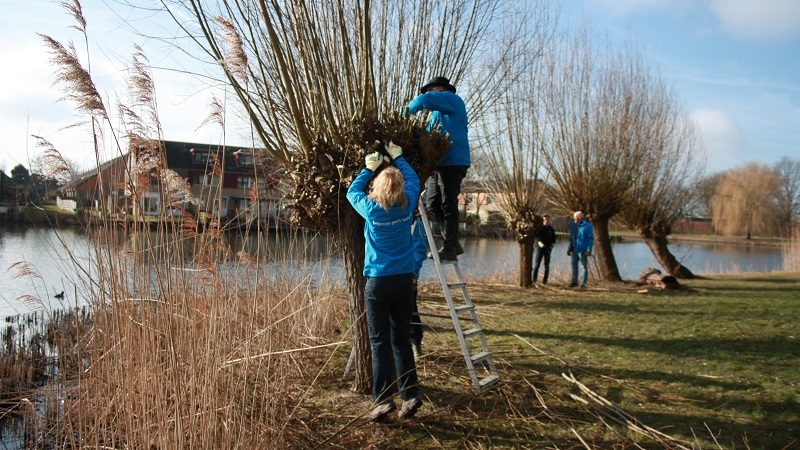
(352, 240)
(605, 255)
(525, 264)
(659, 247)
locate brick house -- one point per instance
(222, 180)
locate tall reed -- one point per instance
(192, 343)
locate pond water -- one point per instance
(50, 269)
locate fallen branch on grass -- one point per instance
(280, 352)
(607, 410)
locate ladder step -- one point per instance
(472, 332)
(438, 316)
(443, 325)
(456, 285)
(487, 382)
(482, 356)
(463, 308)
(441, 316)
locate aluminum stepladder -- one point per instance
(482, 358)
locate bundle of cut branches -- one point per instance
(317, 197)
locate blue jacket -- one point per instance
(581, 237)
(420, 243)
(388, 249)
(448, 110)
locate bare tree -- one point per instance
(789, 192)
(598, 108)
(322, 80)
(746, 201)
(667, 175)
(511, 155)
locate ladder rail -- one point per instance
(484, 356)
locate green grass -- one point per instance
(714, 365)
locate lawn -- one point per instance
(715, 365)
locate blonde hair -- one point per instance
(388, 188)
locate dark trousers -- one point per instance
(442, 190)
(389, 305)
(541, 253)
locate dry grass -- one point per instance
(187, 343)
(604, 367)
(195, 356)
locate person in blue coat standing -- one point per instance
(389, 267)
(581, 240)
(443, 188)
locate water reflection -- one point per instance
(282, 254)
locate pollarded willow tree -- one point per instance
(663, 191)
(511, 152)
(598, 105)
(321, 81)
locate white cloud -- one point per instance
(763, 19)
(724, 142)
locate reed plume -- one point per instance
(80, 87)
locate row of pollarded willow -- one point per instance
(322, 80)
(620, 146)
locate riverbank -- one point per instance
(600, 368)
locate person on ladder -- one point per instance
(444, 186)
(389, 269)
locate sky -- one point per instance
(734, 64)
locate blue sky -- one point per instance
(735, 66)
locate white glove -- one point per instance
(541, 244)
(394, 150)
(373, 161)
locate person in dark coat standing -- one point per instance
(544, 247)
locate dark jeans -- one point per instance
(442, 190)
(389, 304)
(542, 253)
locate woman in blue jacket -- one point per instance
(389, 268)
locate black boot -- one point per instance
(447, 253)
(451, 247)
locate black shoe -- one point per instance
(447, 254)
(573, 285)
(409, 408)
(459, 249)
(380, 411)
